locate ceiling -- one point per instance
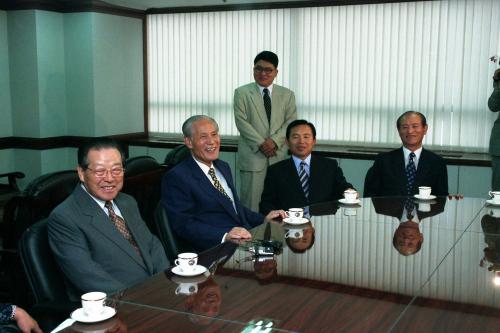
(147, 4)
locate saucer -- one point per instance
(197, 270)
(430, 197)
(80, 316)
(302, 220)
(345, 202)
(190, 279)
(493, 203)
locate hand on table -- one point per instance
(239, 233)
(25, 322)
(275, 214)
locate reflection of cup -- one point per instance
(495, 195)
(109, 325)
(349, 211)
(294, 233)
(93, 303)
(350, 195)
(424, 207)
(186, 261)
(424, 191)
(494, 212)
(186, 288)
(295, 214)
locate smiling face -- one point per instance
(412, 131)
(106, 187)
(408, 238)
(204, 141)
(264, 73)
(301, 141)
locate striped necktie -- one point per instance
(411, 172)
(217, 184)
(304, 178)
(121, 226)
(267, 104)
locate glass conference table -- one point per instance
(357, 268)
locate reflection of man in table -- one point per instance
(262, 110)
(402, 171)
(407, 238)
(491, 228)
(206, 301)
(198, 194)
(304, 178)
(494, 106)
(304, 242)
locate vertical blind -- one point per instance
(354, 69)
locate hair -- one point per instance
(297, 123)
(410, 113)
(267, 56)
(97, 144)
(187, 127)
(295, 250)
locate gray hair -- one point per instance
(411, 113)
(187, 127)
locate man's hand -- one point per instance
(275, 214)
(496, 76)
(268, 147)
(239, 233)
(25, 323)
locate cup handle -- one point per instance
(176, 262)
(489, 193)
(177, 290)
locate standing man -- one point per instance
(494, 105)
(262, 111)
(97, 234)
(198, 194)
(303, 179)
(401, 171)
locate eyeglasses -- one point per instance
(101, 173)
(265, 70)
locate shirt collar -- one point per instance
(297, 161)
(407, 152)
(203, 166)
(270, 88)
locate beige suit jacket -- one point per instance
(251, 121)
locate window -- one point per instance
(354, 69)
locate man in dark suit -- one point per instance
(97, 234)
(388, 175)
(198, 194)
(283, 186)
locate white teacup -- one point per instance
(295, 214)
(350, 195)
(495, 195)
(424, 191)
(186, 261)
(187, 289)
(93, 303)
(294, 233)
(350, 211)
(424, 207)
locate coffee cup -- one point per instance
(495, 195)
(93, 303)
(350, 211)
(294, 233)
(295, 214)
(350, 195)
(424, 207)
(424, 192)
(186, 288)
(494, 212)
(186, 261)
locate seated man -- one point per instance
(302, 179)
(401, 171)
(97, 234)
(199, 196)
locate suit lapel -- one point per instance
(258, 102)
(101, 222)
(295, 180)
(423, 168)
(315, 178)
(399, 169)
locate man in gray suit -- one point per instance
(97, 234)
(494, 105)
(262, 112)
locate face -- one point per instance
(412, 132)
(207, 300)
(303, 243)
(264, 73)
(205, 141)
(408, 238)
(301, 141)
(266, 269)
(106, 187)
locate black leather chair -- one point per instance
(177, 155)
(45, 278)
(172, 244)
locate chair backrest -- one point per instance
(177, 155)
(368, 180)
(172, 244)
(44, 276)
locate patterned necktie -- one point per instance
(304, 178)
(267, 104)
(411, 171)
(409, 206)
(121, 226)
(217, 185)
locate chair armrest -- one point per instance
(12, 176)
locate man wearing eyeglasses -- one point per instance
(97, 234)
(262, 111)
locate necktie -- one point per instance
(267, 104)
(411, 171)
(409, 206)
(304, 178)
(121, 226)
(217, 185)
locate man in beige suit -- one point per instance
(262, 112)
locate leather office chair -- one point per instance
(177, 155)
(172, 244)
